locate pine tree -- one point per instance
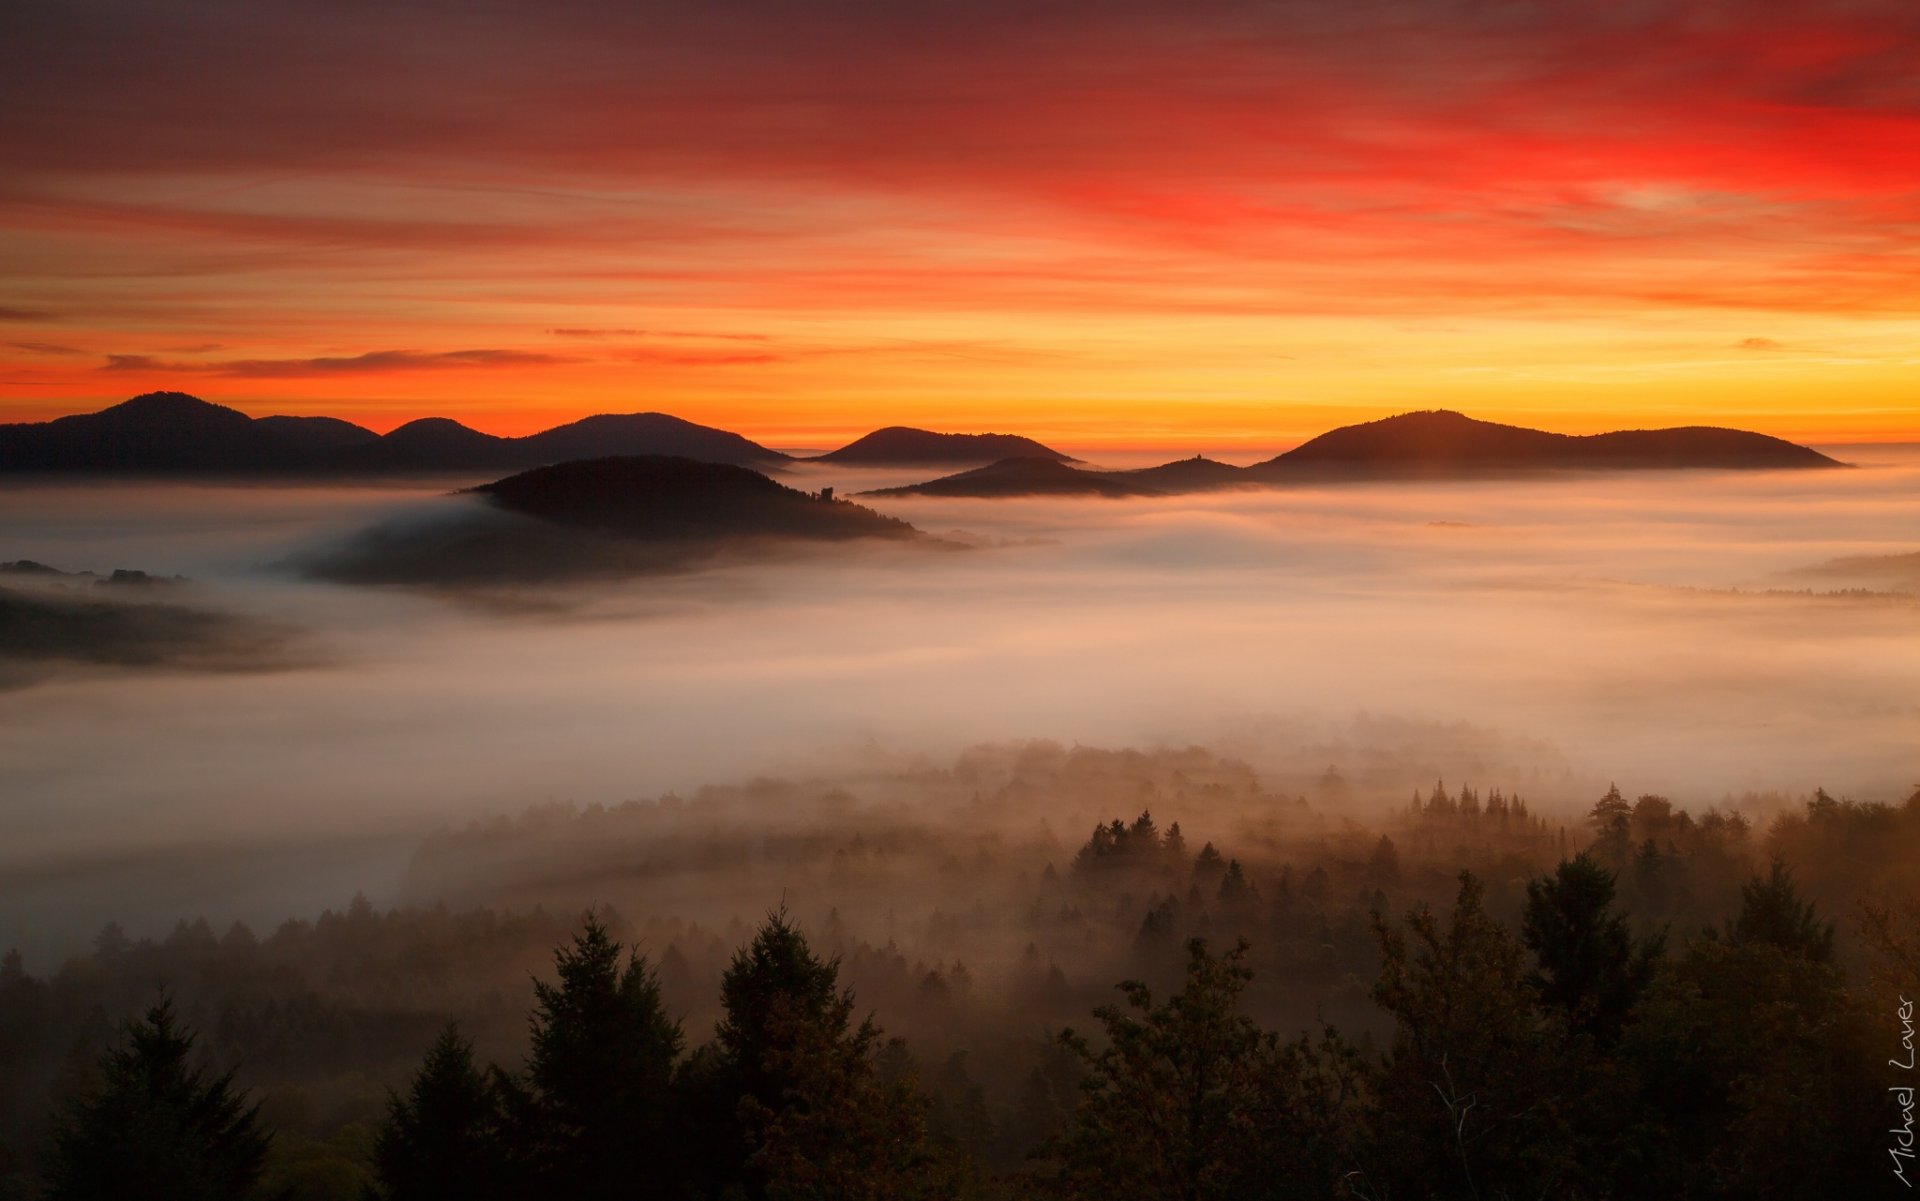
(1587, 966)
(1772, 912)
(156, 1128)
(1469, 1093)
(601, 1097)
(447, 1136)
(812, 1117)
(1190, 1100)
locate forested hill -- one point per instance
(1442, 442)
(654, 497)
(1640, 1001)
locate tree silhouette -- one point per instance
(812, 1117)
(156, 1128)
(1772, 912)
(1189, 1099)
(601, 1076)
(1469, 1095)
(1588, 967)
(447, 1136)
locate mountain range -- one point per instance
(174, 433)
(1438, 444)
(171, 432)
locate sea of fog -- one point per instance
(1549, 635)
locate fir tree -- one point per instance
(601, 1075)
(156, 1128)
(447, 1136)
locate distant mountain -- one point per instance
(171, 432)
(903, 445)
(662, 498)
(317, 436)
(174, 433)
(161, 431)
(1026, 477)
(1444, 443)
(647, 434)
(434, 444)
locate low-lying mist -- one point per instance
(1547, 636)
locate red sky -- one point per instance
(1196, 225)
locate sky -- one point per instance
(1212, 225)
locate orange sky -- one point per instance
(1218, 225)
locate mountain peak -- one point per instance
(904, 444)
(170, 408)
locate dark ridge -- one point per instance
(1198, 474)
(1026, 477)
(647, 434)
(899, 444)
(173, 433)
(1442, 442)
(160, 431)
(670, 498)
(435, 444)
(318, 436)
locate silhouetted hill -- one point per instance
(899, 444)
(318, 436)
(1441, 442)
(435, 444)
(1198, 474)
(160, 431)
(647, 434)
(171, 432)
(599, 518)
(1025, 477)
(656, 497)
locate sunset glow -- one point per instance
(1220, 226)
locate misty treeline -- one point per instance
(1455, 997)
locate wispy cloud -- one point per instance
(373, 362)
(49, 348)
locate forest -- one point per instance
(1037, 971)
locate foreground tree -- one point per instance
(601, 1099)
(1756, 1066)
(1473, 1095)
(796, 1103)
(1190, 1100)
(1588, 967)
(155, 1127)
(447, 1136)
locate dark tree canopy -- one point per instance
(156, 1127)
(446, 1136)
(1190, 1100)
(1588, 966)
(600, 1081)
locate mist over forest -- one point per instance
(993, 780)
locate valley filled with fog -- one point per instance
(1547, 636)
